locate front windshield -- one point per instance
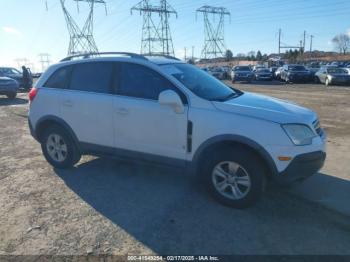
(336, 71)
(242, 68)
(200, 83)
(297, 68)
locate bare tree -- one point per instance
(341, 42)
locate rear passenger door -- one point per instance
(87, 105)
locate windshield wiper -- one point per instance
(222, 99)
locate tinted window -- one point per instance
(59, 79)
(92, 77)
(142, 82)
(200, 83)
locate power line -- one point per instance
(44, 60)
(214, 39)
(156, 37)
(81, 39)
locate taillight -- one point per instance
(32, 93)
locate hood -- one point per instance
(267, 108)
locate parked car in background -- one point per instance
(227, 70)
(295, 73)
(256, 67)
(242, 73)
(313, 69)
(277, 73)
(8, 87)
(332, 76)
(263, 74)
(18, 76)
(217, 72)
(12, 73)
(273, 69)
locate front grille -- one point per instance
(317, 127)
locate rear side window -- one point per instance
(59, 79)
(142, 82)
(92, 77)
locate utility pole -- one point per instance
(185, 54)
(44, 60)
(311, 38)
(81, 39)
(214, 40)
(193, 53)
(279, 41)
(304, 40)
(156, 37)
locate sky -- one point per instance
(27, 28)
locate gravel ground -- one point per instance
(105, 206)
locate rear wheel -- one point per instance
(59, 148)
(235, 177)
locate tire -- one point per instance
(249, 170)
(327, 82)
(12, 96)
(64, 153)
(317, 80)
(233, 81)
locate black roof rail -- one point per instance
(90, 55)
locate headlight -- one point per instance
(299, 134)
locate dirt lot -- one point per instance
(115, 207)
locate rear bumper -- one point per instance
(31, 129)
(301, 167)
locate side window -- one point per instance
(92, 77)
(142, 82)
(59, 79)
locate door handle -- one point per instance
(122, 111)
(68, 103)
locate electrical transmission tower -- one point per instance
(156, 35)
(81, 39)
(214, 40)
(44, 60)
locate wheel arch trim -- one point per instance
(56, 120)
(260, 150)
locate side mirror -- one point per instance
(172, 99)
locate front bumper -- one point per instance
(301, 167)
(243, 77)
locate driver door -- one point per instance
(141, 124)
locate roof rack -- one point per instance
(90, 55)
(166, 56)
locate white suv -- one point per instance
(162, 110)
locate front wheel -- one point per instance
(235, 177)
(59, 148)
